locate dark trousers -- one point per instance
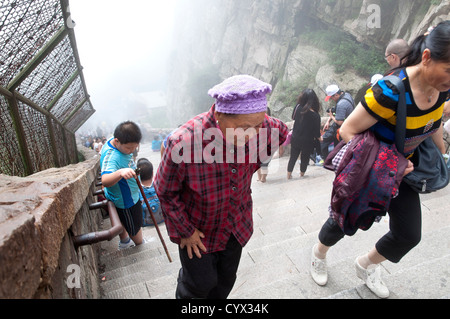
(328, 138)
(405, 223)
(295, 153)
(211, 277)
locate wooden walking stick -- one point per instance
(151, 213)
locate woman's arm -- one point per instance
(438, 139)
(359, 121)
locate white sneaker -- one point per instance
(129, 244)
(372, 278)
(318, 269)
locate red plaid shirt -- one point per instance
(213, 198)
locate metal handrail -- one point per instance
(106, 235)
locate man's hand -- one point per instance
(194, 244)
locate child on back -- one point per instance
(118, 178)
(146, 176)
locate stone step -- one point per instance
(423, 281)
(426, 280)
(121, 258)
(282, 280)
(286, 274)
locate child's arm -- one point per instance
(109, 180)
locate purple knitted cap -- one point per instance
(242, 94)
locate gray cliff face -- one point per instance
(221, 38)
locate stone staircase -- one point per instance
(275, 264)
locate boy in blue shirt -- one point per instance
(118, 178)
(146, 177)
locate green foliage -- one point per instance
(346, 53)
(288, 92)
(81, 157)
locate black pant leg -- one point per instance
(227, 267)
(295, 153)
(331, 233)
(405, 223)
(211, 277)
(197, 276)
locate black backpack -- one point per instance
(431, 172)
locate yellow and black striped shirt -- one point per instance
(381, 102)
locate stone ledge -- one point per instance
(35, 214)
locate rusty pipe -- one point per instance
(99, 192)
(106, 235)
(99, 205)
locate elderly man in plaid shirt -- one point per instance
(204, 184)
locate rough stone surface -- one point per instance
(36, 215)
(261, 38)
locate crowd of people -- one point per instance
(207, 206)
(314, 142)
(94, 143)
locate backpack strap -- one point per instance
(348, 100)
(400, 127)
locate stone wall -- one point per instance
(38, 217)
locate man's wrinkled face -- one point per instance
(244, 126)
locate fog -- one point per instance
(124, 48)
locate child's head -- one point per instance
(127, 136)
(146, 168)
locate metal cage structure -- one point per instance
(43, 94)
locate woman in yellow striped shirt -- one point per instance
(425, 72)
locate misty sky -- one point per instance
(123, 47)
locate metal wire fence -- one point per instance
(43, 94)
